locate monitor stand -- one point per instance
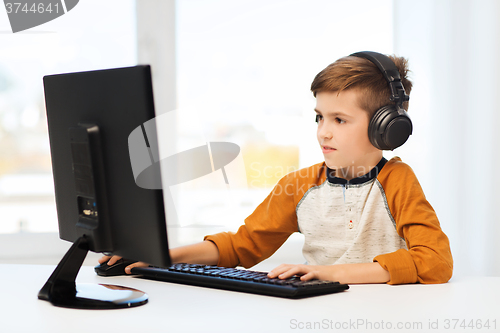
(61, 289)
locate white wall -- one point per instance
(454, 50)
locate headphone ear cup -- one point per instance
(375, 129)
(389, 127)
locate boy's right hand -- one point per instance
(109, 259)
(112, 260)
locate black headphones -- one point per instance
(390, 125)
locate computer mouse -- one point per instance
(118, 268)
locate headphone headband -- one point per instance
(390, 72)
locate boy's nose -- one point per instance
(324, 133)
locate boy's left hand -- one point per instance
(306, 272)
(370, 272)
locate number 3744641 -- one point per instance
(33, 8)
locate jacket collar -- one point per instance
(360, 180)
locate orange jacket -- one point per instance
(382, 216)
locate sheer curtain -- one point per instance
(454, 51)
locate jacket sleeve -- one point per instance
(264, 231)
(428, 258)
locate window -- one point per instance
(243, 74)
(85, 38)
(244, 70)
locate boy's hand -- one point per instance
(111, 261)
(114, 259)
(306, 272)
(370, 272)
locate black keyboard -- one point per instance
(239, 280)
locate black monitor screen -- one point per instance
(90, 117)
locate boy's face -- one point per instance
(343, 134)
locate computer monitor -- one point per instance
(100, 207)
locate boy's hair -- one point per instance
(359, 73)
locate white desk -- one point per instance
(178, 308)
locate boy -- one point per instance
(365, 219)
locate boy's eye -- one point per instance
(340, 121)
(318, 118)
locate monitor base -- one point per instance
(102, 296)
(61, 289)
